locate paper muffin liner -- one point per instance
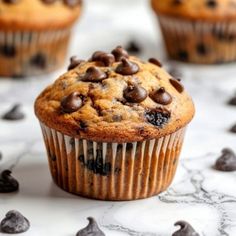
(32, 53)
(112, 171)
(199, 41)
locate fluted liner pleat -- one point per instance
(112, 171)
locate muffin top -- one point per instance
(115, 97)
(211, 10)
(38, 14)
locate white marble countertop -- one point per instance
(199, 194)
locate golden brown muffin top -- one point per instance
(38, 14)
(115, 97)
(211, 10)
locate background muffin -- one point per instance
(113, 126)
(34, 35)
(198, 31)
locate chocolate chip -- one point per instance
(120, 53)
(211, 3)
(91, 229)
(74, 62)
(155, 62)
(185, 229)
(183, 55)
(8, 50)
(162, 97)
(14, 223)
(127, 67)
(233, 129)
(177, 85)
(7, 183)
(227, 161)
(133, 47)
(11, 1)
(177, 2)
(83, 126)
(106, 58)
(14, 113)
(73, 3)
(39, 60)
(135, 94)
(232, 101)
(202, 49)
(94, 74)
(71, 103)
(158, 117)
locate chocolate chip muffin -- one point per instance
(114, 126)
(34, 35)
(198, 31)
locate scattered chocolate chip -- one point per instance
(233, 129)
(185, 229)
(71, 103)
(14, 223)
(157, 117)
(8, 50)
(39, 60)
(211, 3)
(133, 47)
(74, 62)
(106, 58)
(73, 3)
(7, 183)
(232, 101)
(177, 2)
(202, 49)
(94, 74)
(135, 94)
(155, 62)
(227, 161)
(120, 53)
(83, 126)
(177, 85)
(14, 113)
(91, 229)
(183, 55)
(175, 72)
(161, 96)
(127, 67)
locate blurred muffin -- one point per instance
(114, 126)
(34, 35)
(198, 31)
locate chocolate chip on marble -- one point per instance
(91, 229)
(161, 96)
(232, 101)
(158, 117)
(185, 229)
(133, 47)
(106, 58)
(74, 62)
(94, 74)
(127, 67)
(183, 55)
(71, 103)
(120, 53)
(8, 184)
(14, 113)
(39, 60)
(155, 62)
(211, 3)
(8, 50)
(177, 85)
(14, 223)
(233, 129)
(73, 3)
(135, 94)
(227, 161)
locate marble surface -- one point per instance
(199, 194)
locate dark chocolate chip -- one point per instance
(94, 74)
(158, 117)
(7, 183)
(39, 60)
(73, 3)
(227, 161)
(83, 126)
(8, 50)
(233, 129)
(185, 229)
(177, 2)
(127, 67)
(74, 62)
(14, 113)
(161, 96)
(11, 1)
(14, 223)
(91, 229)
(71, 103)
(177, 85)
(155, 62)
(211, 3)
(106, 58)
(202, 49)
(133, 47)
(183, 55)
(232, 101)
(135, 94)
(120, 53)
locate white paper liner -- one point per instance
(137, 170)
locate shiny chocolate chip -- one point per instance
(133, 47)
(120, 53)
(74, 62)
(8, 184)
(177, 85)
(71, 103)
(91, 229)
(94, 74)
(127, 67)
(157, 117)
(106, 58)
(185, 229)
(14, 113)
(73, 3)
(14, 223)
(161, 96)
(211, 3)
(135, 94)
(155, 62)
(227, 161)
